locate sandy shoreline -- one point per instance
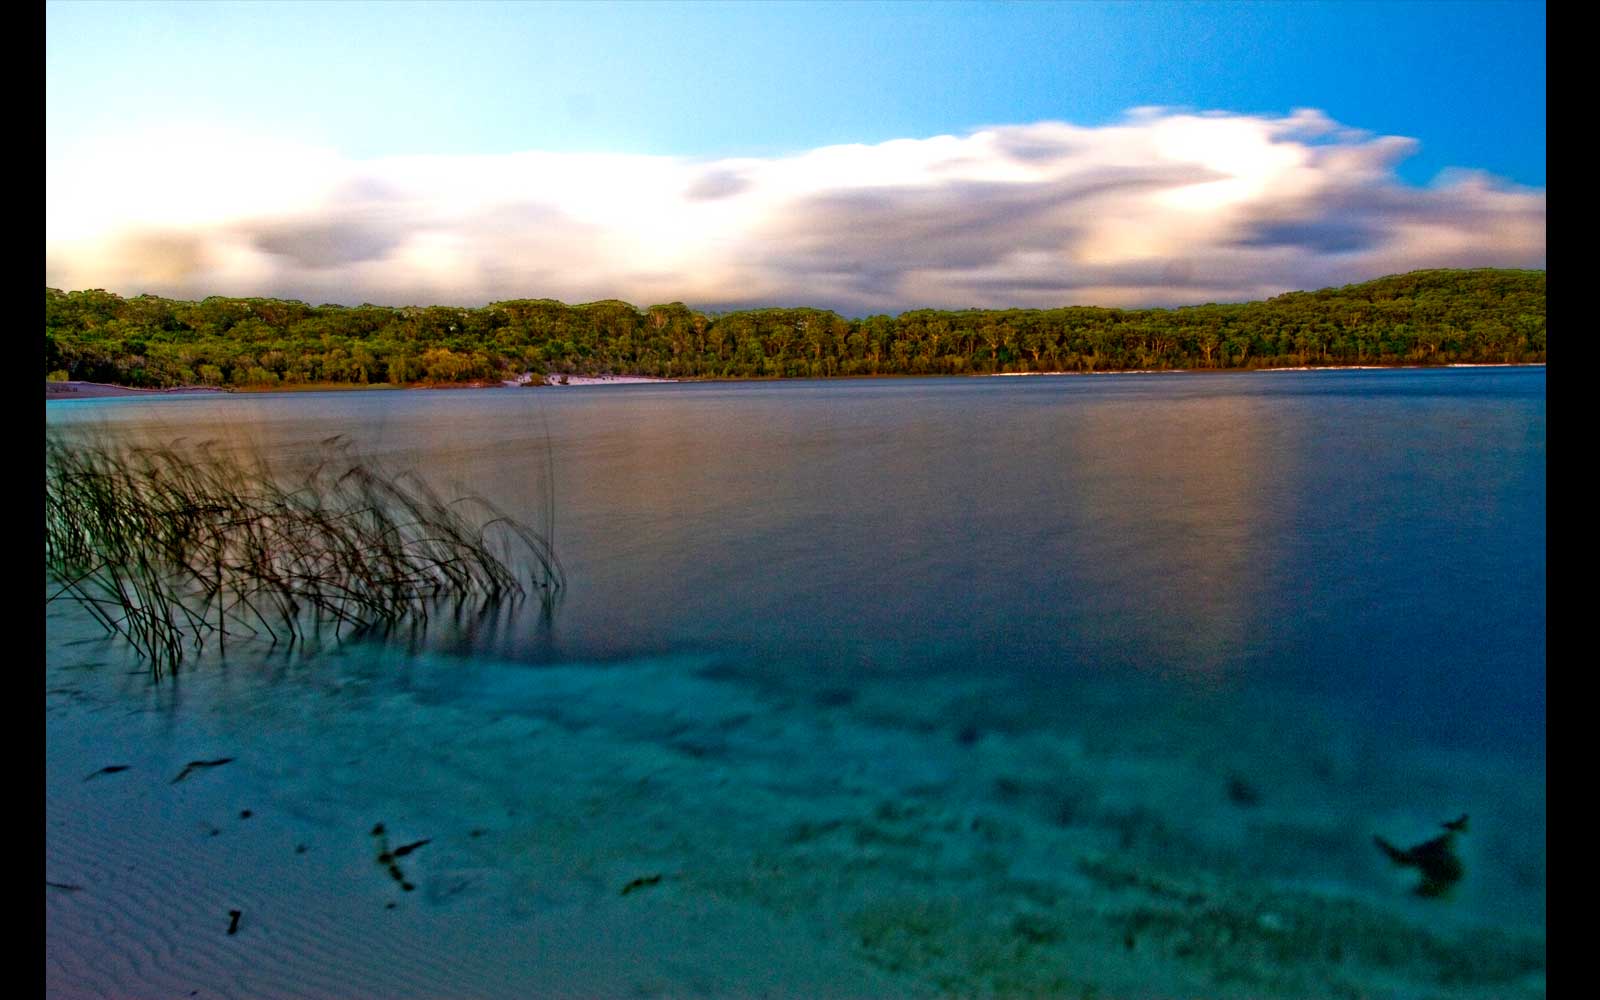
(1295, 368)
(95, 390)
(559, 381)
(101, 390)
(92, 390)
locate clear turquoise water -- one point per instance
(1017, 670)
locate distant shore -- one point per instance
(571, 380)
(1287, 368)
(93, 390)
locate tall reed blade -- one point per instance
(171, 546)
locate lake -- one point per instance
(1045, 686)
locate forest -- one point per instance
(1424, 317)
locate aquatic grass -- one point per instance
(173, 546)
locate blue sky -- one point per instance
(370, 87)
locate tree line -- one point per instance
(1423, 317)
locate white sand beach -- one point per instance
(585, 380)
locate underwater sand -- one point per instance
(662, 827)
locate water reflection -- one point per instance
(1166, 522)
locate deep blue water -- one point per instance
(1375, 539)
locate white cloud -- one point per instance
(1164, 208)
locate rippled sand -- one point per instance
(662, 827)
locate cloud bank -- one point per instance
(1163, 208)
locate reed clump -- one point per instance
(173, 547)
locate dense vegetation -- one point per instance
(1425, 317)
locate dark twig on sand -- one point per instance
(1435, 859)
(640, 883)
(195, 765)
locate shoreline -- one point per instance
(99, 390)
(567, 381)
(1287, 368)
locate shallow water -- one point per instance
(1053, 686)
